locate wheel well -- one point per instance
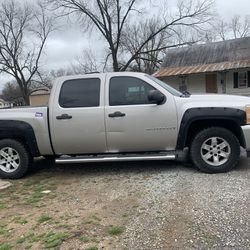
(199, 125)
(20, 139)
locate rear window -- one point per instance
(80, 93)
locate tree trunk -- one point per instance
(25, 94)
(115, 61)
(26, 100)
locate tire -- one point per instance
(215, 150)
(14, 158)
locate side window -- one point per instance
(80, 93)
(125, 90)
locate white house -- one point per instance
(4, 104)
(220, 67)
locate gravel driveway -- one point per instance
(158, 205)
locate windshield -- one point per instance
(165, 86)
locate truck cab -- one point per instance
(111, 113)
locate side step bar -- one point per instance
(82, 159)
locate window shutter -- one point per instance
(248, 78)
(236, 80)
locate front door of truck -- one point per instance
(132, 122)
(77, 116)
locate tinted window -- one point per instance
(80, 93)
(128, 91)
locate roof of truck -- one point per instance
(97, 74)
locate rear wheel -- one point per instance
(215, 150)
(14, 159)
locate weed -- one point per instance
(2, 206)
(84, 239)
(52, 240)
(22, 239)
(20, 220)
(94, 239)
(116, 230)
(36, 238)
(43, 218)
(92, 248)
(4, 230)
(5, 246)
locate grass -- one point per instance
(52, 240)
(43, 218)
(116, 230)
(30, 238)
(22, 239)
(60, 224)
(4, 230)
(84, 239)
(20, 220)
(5, 246)
(92, 248)
(2, 206)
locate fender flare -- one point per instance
(20, 130)
(211, 113)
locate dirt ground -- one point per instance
(139, 205)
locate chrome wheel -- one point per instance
(9, 160)
(215, 151)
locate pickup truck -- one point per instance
(103, 117)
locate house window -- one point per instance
(242, 79)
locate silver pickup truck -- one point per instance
(125, 117)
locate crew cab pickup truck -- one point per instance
(125, 117)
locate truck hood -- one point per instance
(212, 100)
(220, 98)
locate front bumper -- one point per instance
(246, 133)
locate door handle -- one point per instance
(64, 117)
(117, 114)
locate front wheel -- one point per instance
(14, 159)
(215, 150)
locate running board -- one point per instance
(82, 159)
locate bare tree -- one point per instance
(12, 93)
(150, 57)
(85, 63)
(237, 27)
(240, 27)
(112, 18)
(20, 24)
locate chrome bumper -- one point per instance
(246, 133)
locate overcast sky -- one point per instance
(68, 43)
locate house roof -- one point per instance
(37, 92)
(210, 57)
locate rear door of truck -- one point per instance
(77, 115)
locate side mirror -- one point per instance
(155, 96)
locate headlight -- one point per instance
(247, 108)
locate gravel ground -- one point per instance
(181, 208)
(160, 205)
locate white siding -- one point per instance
(230, 85)
(196, 83)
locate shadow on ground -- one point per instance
(41, 165)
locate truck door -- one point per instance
(77, 116)
(132, 122)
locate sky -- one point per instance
(64, 45)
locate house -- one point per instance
(4, 104)
(219, 67)
(39, 97)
